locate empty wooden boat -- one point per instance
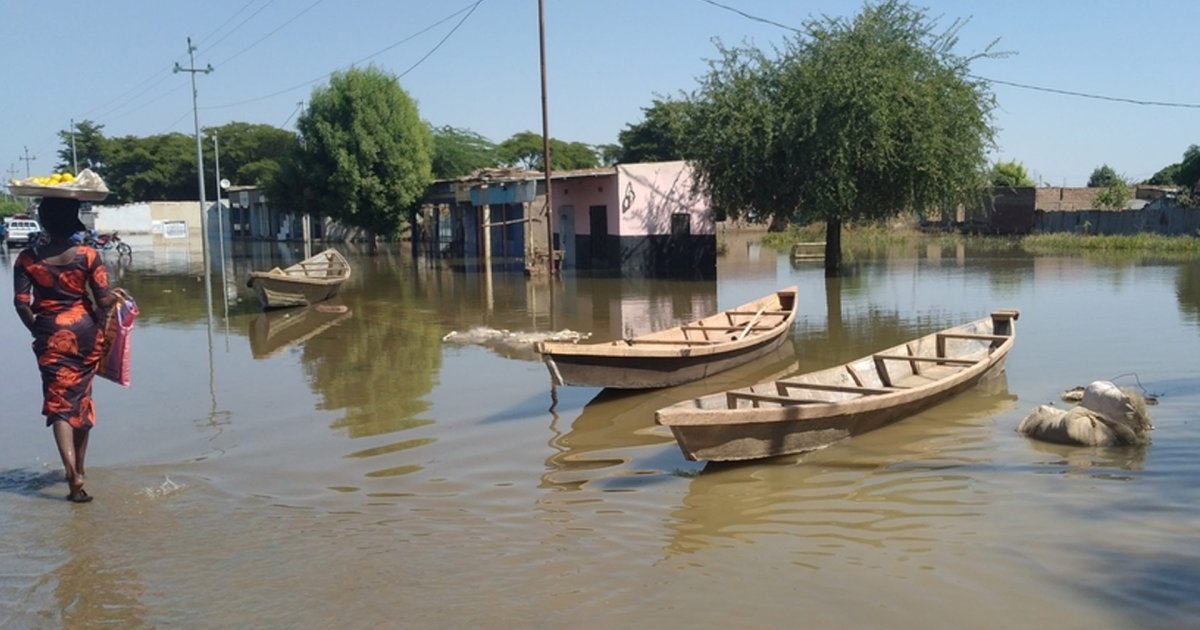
(682, 354)
(307, 282)
(811, 410)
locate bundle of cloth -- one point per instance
(1106, 415)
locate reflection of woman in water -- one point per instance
(51, 281)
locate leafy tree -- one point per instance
(658, 137)
(89, 147)
(852, 120)
(1115, 195)
(524, 149)
(609, 154)
(1102, 176)
(250, 153)
(1189, 169)
(457, 152)
(364, 155)
(154, 168)
(1011, 174)
(1165, 176)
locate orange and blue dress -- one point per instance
(67, 335)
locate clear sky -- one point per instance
(476, 66)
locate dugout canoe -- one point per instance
(811, 410)
(309, 281)
(677, 355)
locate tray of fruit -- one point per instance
(86, 187)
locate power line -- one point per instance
(468, 10)
(1100, 97)
(233, 30)
(264, 37)
(1093, 96)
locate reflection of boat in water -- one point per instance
(614, 434)
(309, 281)
(273, 331)
(677, 355)
(814, 409)
(889, 485)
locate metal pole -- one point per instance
(546, 140)
(27, 161)
(220, 223)
(74, 158)
(200, 174)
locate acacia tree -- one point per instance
(1010, 174)
(363, 154)
(852, 120)
(1102, 176)
(658, 136)
(457, 152)
(524, 149)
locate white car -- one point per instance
(20, 231)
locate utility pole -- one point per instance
(546, 141)
(27, 161)
(192, 69)
(74, 158)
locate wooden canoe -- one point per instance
(815, 409)
(682, 354)
(307, 282)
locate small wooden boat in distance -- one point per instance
(307, 282)
(682, 354)
(811, 410)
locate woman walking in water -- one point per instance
(51, 282)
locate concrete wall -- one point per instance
(1168, 221)
(650, 193)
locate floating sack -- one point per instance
(1105, 416)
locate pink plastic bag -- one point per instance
(115, 359)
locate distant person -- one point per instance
(51, 281)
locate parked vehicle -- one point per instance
(108, 241)
(21, 232)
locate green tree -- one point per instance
(154, 168)
(1189, 169)
(1011, 174)
(1165, 176)
(658, 137)
(457, 152)
(364, 155)
(1114, 195)
(1102, 176)
(89, 147)
(609, 154)
(852, 120)
(524, 149)
(250, 153)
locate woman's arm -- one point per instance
(23, 292)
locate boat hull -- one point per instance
(314, 279)
(678, 355)
(650, 372)
(813, 410)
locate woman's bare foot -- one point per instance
(78, 494)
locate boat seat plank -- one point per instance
(944, 360)
(724, 328)
(825, 387)
(732, 398)
(683, 342)
(979, 336)
(752, 313)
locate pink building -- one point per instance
(634, 219)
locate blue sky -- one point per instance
(110, 62)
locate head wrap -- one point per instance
(60, 216)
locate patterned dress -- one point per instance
(66, 336)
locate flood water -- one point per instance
(393, 465)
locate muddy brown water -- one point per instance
(352, 466)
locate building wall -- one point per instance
(650, 193)
(582, 193)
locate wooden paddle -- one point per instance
(750, 325)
